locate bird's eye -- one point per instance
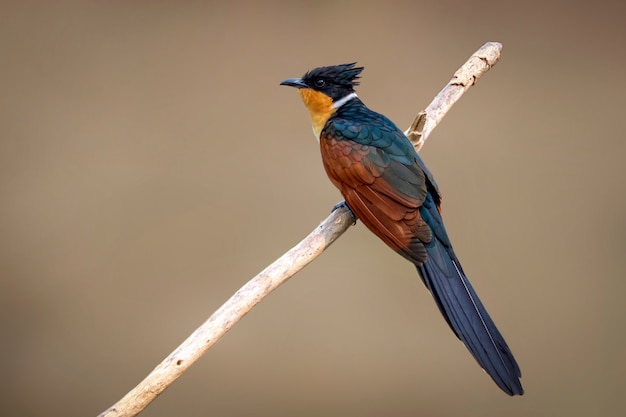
(320, 83)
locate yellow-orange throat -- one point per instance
(320, 108)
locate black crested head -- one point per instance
(335, 81)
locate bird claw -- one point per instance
(345, 206)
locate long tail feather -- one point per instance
(468, 318)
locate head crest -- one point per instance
(344, 75)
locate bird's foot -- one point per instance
(345, 205)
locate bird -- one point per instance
(388, 187)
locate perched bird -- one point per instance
(386, 184)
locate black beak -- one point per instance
(294, 82)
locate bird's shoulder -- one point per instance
(356, 122)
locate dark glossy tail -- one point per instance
(466, 315)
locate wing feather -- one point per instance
(383, 192)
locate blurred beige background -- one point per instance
(150, 165)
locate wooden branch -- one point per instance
(296, 258)
(479, 63)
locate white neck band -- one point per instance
(344, 100)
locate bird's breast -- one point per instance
(320, 108)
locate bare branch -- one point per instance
(479, 63)
(230, 313)
(296, 258)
